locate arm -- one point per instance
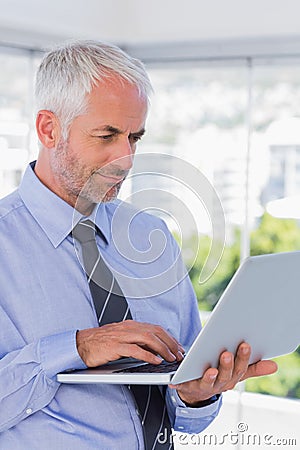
(27, 371)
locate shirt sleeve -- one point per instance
(183, 418)
(190, 420)
(28, 375)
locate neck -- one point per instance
(44, 173)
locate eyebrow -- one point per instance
(114, 130)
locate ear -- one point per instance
(48, 128)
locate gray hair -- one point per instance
(68, 73)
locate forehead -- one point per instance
(116, 99)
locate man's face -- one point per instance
(92, 164)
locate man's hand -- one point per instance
(97, 346)
(231, 370)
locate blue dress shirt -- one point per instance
(45, 299)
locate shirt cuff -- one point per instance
(185, 419)
(180, 403)
(58, 353)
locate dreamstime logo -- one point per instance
(159, 184)
(240, 437)
(242, 427)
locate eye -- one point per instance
(135, 138)
(106, 137)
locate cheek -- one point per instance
(93, 152)
(83, 156)
(90, 153)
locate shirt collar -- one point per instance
(56, 217)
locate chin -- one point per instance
(95, 193)
(100, 197)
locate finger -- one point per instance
(151, 338)
(135, 351)
(179, 356)
(241, 361)
(168, 339)
(153, 344)
(197, 390)
(261, 368)
(225, 370)
(158, 340)
(157, 330)
(207, 380)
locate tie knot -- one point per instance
(84, 231)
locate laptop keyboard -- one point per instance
(163, 367)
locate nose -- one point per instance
(124, 155)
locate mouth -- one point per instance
(111, 179)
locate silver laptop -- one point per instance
(261, 305)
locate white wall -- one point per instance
(142, 21)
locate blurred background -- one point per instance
(226, 77)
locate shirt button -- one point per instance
(29, 411)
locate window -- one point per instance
(238, 124)
(17, 142)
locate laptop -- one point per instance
(261, 305)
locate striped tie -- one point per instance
(111, 306)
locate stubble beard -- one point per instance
(81, 184)
(94, 192)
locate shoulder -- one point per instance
(11, 211)
(10, 205)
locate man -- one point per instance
(92, 104)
